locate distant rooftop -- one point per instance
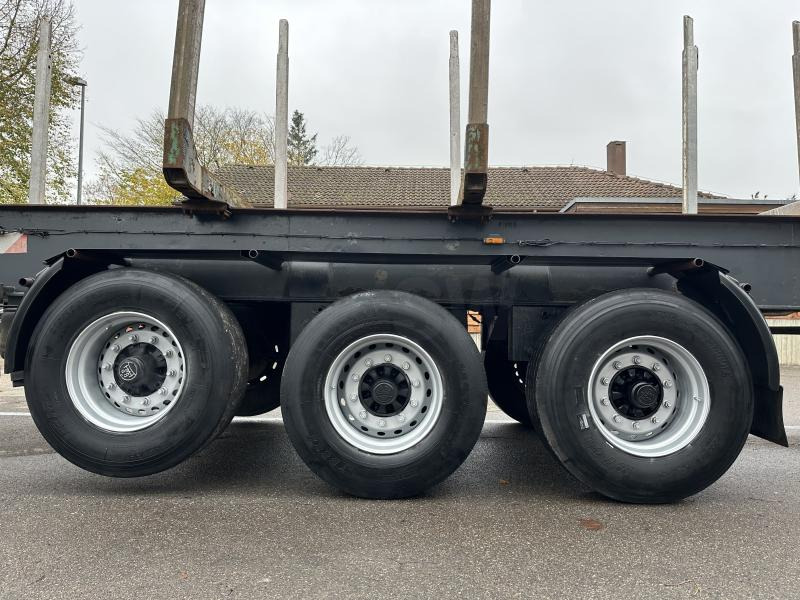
(547, 189)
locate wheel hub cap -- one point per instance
(384, 390)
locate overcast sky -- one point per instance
(567, 77)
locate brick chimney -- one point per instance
(615, 153)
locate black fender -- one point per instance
(48, 284)
(722, 294)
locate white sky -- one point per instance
(567, 77)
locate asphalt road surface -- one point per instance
(246, 519)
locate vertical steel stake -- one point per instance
(282, 119)
(455, 119)
(41, 116)
(690, 68)
(796, 64)
(186, 62)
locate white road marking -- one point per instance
(15, 414)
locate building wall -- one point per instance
(788, 345)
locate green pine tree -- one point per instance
(302, 148)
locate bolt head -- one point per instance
(401, 418)
(604, 381)
(163, 391)
(604, 401)
(654, 420)
(369, 362)
(697, 399)
(112, 386)
(126, 399)
(106, 367)
(353, 397)
(414, 404)
(656, 367)
(154, 340)
(637, 360)
(146, 402)
(387, 358)
(172, 373)
(381, 423)
(636, 426)
(363, 414)
(617, 419)
(617, 365)
(416, 383)
(169, 354)
(355, 377)
(667, 384)
(667, 404)
(133, 338)
(115, 347)
(406, 366)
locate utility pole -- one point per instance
(690, 68)
(796, 64)
(41, 116)
(476, 143)
(455, 119)
(282, 119)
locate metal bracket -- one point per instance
(470, 212)
(267, 260)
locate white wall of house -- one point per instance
(788, 345)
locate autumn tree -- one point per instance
(19, 44)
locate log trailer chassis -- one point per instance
(634, 345)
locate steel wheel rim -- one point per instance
(348, 400)
(630, 423)
(105, 361)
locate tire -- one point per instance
(652, 358)
(171, 358)
(432, 417)
(267, 334)
(506, 380)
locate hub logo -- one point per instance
(128, 371)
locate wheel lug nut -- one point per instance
(401, 418)
(126, 399)
(654, 420)
(387, 358)
(133, 338)
(406, 366)
(604, 381)
(106, 367)
(697, 399)
(368, 362)
(381, 423)
(617, 419)
(115, 348)
(656, 367)
(112, 386)
(363, 414)
(154, 340)
(667, 384)
(163, 391)
(353, 397)
(172, 373)
(667, 404)
(414, 404)
(146, 401)
(169, 354)
(636, 426)
(355, 377)
(604, 401)
(637, 360)
(617, 365)
(416, 383)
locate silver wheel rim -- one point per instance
(350, 383)
(679, 408)
(100, 378)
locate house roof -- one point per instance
(534, 188)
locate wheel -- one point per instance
(643, 395)
(383, 394)
(267, 334)
(506, 381)
(130, 372)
